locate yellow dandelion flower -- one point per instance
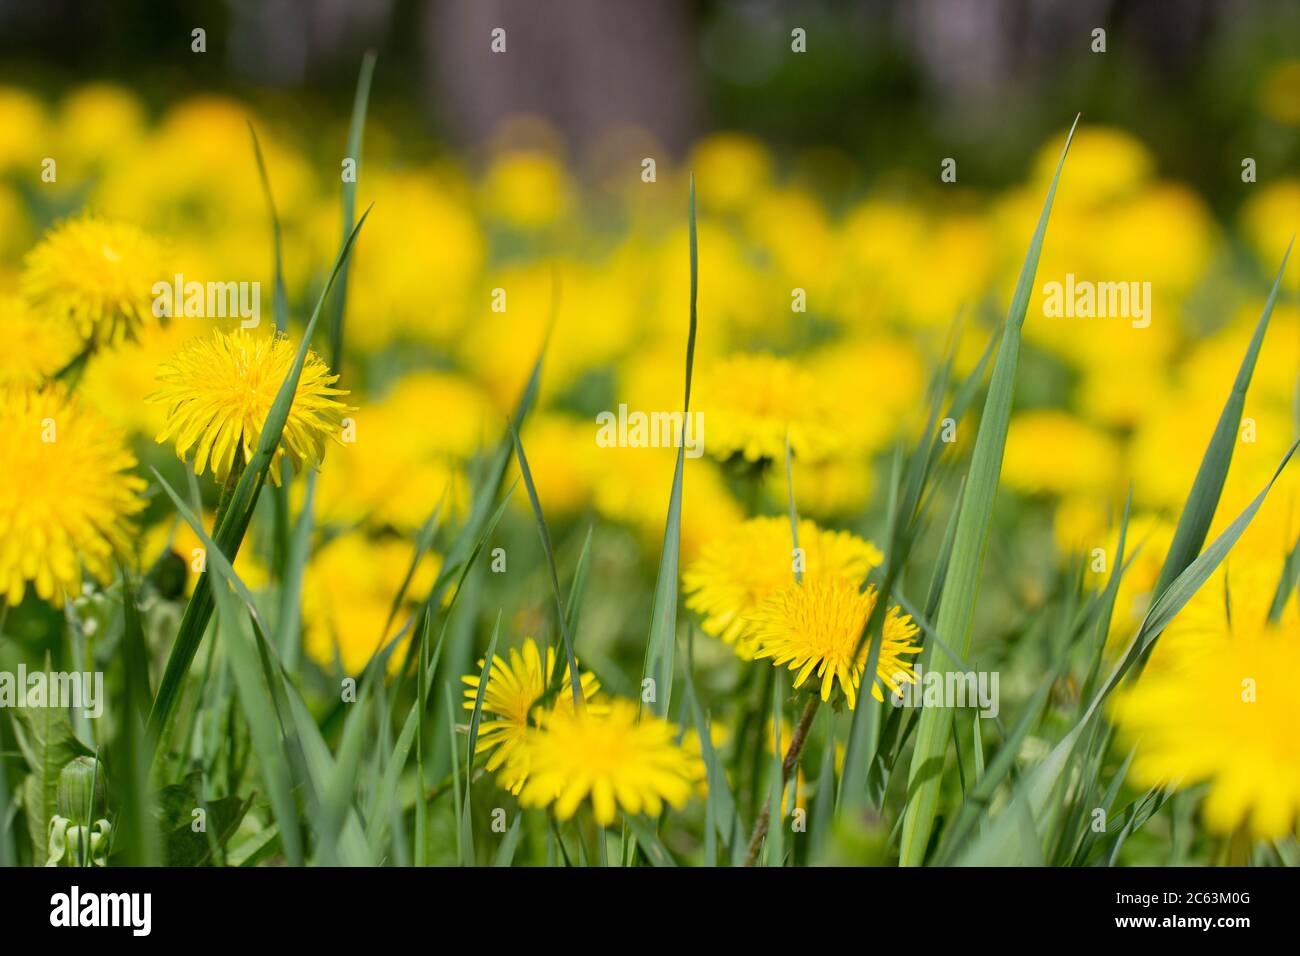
(347, 599)
(815, 626)
(736, 574)
(750, 402)
(616, 760)
(218, 392)
(95, 274)
(66, 494)
(1223, 709)
(514, 687)
(35, 348)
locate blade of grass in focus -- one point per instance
(1203, 499)
(356, 140)
(906, 511)
(262, 724)
(721, 803)
(658, 665)
(280, 311)
(997, 847)
(774, 848)
(484, 676)
(562, 621)
(974, 522)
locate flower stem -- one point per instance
(797, 740)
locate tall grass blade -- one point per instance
(974, 522)
(1203, 499)
(658, 665)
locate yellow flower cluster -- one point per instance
(552, 751)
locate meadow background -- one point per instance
(522, 172)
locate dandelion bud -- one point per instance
(82, 794)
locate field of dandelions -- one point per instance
(337, 568)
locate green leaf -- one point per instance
(658, 665)
(263, 725)
(48, 745)
(484, 676)
(974, 521)
(182, 845)
(356, 138)
(1203, 500)
(575, 680)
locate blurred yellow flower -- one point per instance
(527, 189)
(732, 169)
(837, 486)
(418, 259)
(99, 124)
(814, 628)
(1051, 452)
(118, 381)
(1267, 219)
(22, 131)
(632, 486)
(1105, 163)
(1223, 709)
(615, 758)
(737, 573)
(95, 275)
(751, 402)
(559, 450)
(66, 494)
(36, 347)
(348, 596)
(218, 392)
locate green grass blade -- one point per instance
(562, 620)
(774, 847)
(484, 676)
(506, 851)
(719, 798)
(974, 522)
(662, 640)
(1203, 500)
(356, 139)
(263, 726)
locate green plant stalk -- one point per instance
(797, 741)
(974, 523)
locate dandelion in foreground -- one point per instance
(514, 688)
(95, 275)
(814, 627)
(66, 494)
(736, 573)
(1223, 709)
(609, 756)
(218, 392)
